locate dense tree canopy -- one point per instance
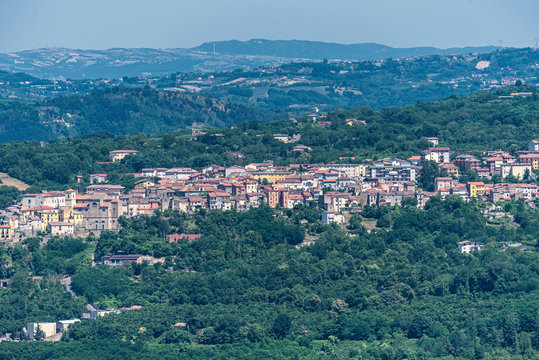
(242, 285)
(251, 286)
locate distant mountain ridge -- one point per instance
(58, 63)
(317, 50)
(208, 57)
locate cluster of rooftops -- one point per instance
(336, 187)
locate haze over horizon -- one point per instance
(103, 24)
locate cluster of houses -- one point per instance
(63, 213)
(53, 331)
(493, 163)
(337, 188)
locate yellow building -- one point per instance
(271, 176)
(14, 223)
(68, 214)
(144, 184)
(6, 232)
(47, 216)
(530, 159)
(476, 188)
(77, 219)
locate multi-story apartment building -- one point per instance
(437, 154)
(393, 170)
(467, 162)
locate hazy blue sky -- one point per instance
(101, 24)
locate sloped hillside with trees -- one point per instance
(118, 111)
(477, 122)
(401, 291)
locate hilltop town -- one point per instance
(359, 180)
(339, 189)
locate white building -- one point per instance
(437, 154)
(117, 155)
(281, 137)
(516, 170)
(62, 325)
(235, 171)
(60, 228)
(329, 217)
(433, 140)
(533, 145)
(54, 199)
(48, 329)
(469, 246)
(351, 170)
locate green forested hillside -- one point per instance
(119, 111)
(386, 83)
(245, 291)
(477, 122)
(295, 88)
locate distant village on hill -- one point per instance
(338, 188)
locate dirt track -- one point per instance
(9, 181)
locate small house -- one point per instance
(468, 246)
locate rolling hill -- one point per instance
(318, 50)
(118, 111)
(208, 57)
(164, 103)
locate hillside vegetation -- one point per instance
(477, 122)
(118, 111)
(293, 89)
(245, 291)
(388, 83)
(246, 288)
